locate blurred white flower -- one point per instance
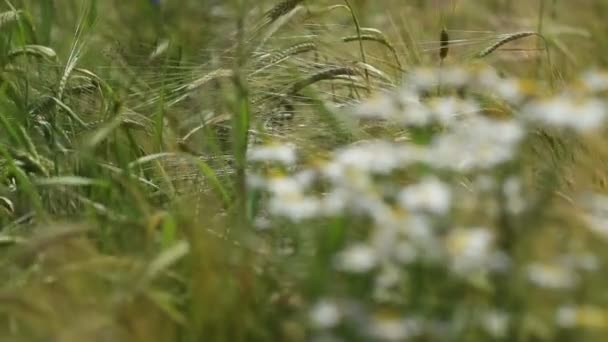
(386, 281)
(476, 143)
(512, 189)
(295, 208)
(288, 198)
(262, 223)
(584, 262)
(447, 109)
(358, 258)
(417, 228)
(425, 79)
(596, 213)
(280, 153)
(563, 111)
(422, 79)
(335, 201)
(373, 206)
(595, 80)
(469, 249)
(284, 186)
(377, 156)
(405, 252)
(430, 195)
(413, 111)
(565, 316)
(598, 224)
(484, 183)
(394, 328)
(325, 314)
(581, 317)
(418, 241)
(496, 323)
(454, 76)
(552, 276)
(255, 181)
(508, 89)
(400, 107)
(389, 276)
(379, 106)
(487, 77)
(499, 261)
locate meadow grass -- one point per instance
(319, 170)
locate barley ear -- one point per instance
(505, 40)
(281, 9)
(445, 44)
(9, 17)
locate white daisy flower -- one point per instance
(325, 314)
(394, 328)
(379, 106)
(496, 323)
(470, 250)
(476, 143)
(358, 258)
(565, 112)
(430, 195)
(595, 81)
(552, 276)
(280, 153)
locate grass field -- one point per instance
(312, 170)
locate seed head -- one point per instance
(445, 42)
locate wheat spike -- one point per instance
(507, 39)
(326, 74)
(378, 38)
(445, 44)
(9, 17)
(292, 51)
(281, 9)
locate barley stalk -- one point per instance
(377, 37)
(277, 23)
(216, 74)
(331, 73)
(444, 49)
(9, 17)
(445, 44)
(7, 204)
(326, 74)
(375, 71)
(290, 51)
(34, 51)
(74, 56)
(281, 9)
(370, 37)
(507, 39)
(358, 28)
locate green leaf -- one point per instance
(169, 231)
(166, 259)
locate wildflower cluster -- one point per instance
(452, 207)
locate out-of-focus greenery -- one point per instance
(130, 209)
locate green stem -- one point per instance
(240, 123)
